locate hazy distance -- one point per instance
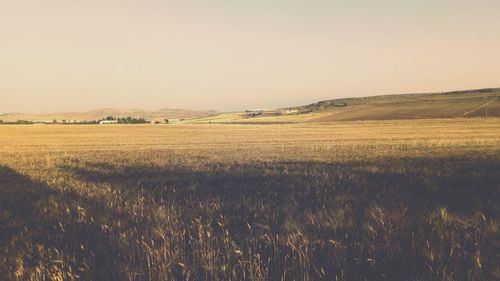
(229, 55)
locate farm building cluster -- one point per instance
(106, 121)
(57, 121)
(269, 112)
(138, 121)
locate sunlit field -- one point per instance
(372, 200)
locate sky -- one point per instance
(59, 55)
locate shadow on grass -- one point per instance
(390, 219)
(394, 218)
(464, 187)
(44, 234)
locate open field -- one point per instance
(358, 200)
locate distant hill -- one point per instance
(457, 104)
(470, 103)
(160, 114)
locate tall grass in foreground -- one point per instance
(408, 211)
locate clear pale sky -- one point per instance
(60, 55)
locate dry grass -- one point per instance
(392, 200)
(415, 106)
(243, 118)
(463, 104)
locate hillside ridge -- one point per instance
(452, 104)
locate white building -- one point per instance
(103, 122)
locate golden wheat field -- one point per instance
(372, 200)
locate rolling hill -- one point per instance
(457, 104)
(471, 103)
(160, 114)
